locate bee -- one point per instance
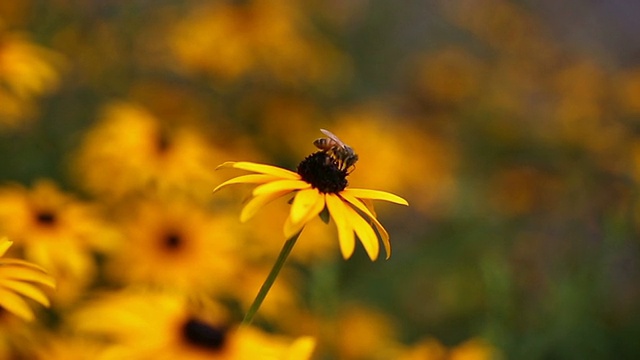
(342, 152)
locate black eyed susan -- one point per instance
(320, 183)
(180, 241)
(18, 279)
(319, 187)
(56, 231)
(175, 328)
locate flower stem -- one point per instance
(275, 270)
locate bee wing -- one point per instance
(333, 137)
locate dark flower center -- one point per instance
(323, 172)
(46, 218)
(203, 335)
(163, 142)
(173, 241)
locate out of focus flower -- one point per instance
(59, 346)
(18, 279)
(131, 150)
(320, 182)
(230, 40)
(449, 77)
(420, 163)
(628, 90)
(27, 71)
(55, 231)
(164, 326)
(364, 333)
(176, 244)
(432, 349)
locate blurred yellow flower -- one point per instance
(19, 278)
(418, 162)
(57, 232)
(432, 349)
(363, 332)
(449, 76)
(230, 40)
(165, 326)
(27, 71)
(319, 183)
(175, 243)
(131, 150)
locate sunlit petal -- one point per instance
(247, 179)
(364, 231)
(345, 232)
(381, 230)
(304, 202)
(258, 202)
(15, 304)
(4, 246)
(24, 274)
(27, 290)
(261, 168)
(375, 195)
(306, 205)
(301, 349)
(279, 186)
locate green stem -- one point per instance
(275, 270)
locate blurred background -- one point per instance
(511, 127)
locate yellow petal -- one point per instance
(279, 186)
(301, 349)
(364, 231)
(337, 210)
(381, 230)
(4, 245)
(306, 205)
(247, 179)
(258, 202)
(27, 290)
(304, 202)
(15, 304)
(25, 274)
(262, 169)
(375, 195)
(369, 204)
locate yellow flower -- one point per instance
(161, 325)
(55, 231)
(271, 38)
(20, 278)
(319, 183)
(131, 150)
(27, 71)
(180, 242)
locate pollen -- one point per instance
(323, 172)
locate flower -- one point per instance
(27, 72)
(18, 278)
(130, 150)
(175, 328)
(57, 231)
(319, 183)
(180, 242)
(271, 39)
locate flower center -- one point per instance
(203, 335)
(46, 218)
(172, 241)
(323, 172)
